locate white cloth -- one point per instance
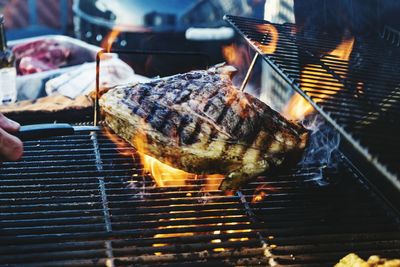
(82, 81)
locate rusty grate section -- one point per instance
(352, 81)
(80, 201)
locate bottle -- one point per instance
(8, 72)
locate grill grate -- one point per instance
(79, 201)
(359, 96)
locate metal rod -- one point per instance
(96, 114)
(251, 67)
(103, 194)
(195, 255)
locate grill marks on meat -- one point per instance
(156, 99)
(199, 122)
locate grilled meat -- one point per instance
(200, 123)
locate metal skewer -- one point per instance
(247, 77)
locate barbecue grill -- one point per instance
(84, 200)
(173, 25)
(78, 201)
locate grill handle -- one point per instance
(40, 131)
(45, 130)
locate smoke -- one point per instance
(138, 187)
(318, 156)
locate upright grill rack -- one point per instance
(359, 97)
(82, 200)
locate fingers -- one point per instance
(8, 125)
(11, 148)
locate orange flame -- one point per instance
(216, 232)
(239, 55)
(258, 197)
(236, 55)
(261, 192)
(230, 53)
(163, 174)
(122, 149)
(297, 108)
(110, 39)
(273, 34)
(325, 84)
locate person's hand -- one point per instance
(11, 147)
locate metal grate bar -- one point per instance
(104, 200)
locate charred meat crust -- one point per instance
(199, 122)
